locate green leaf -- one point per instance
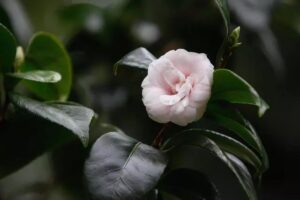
(230, 87)
(121, 168)
(226, 143)
(75, 118)
(98, 128)
(25, 137)
(46, 52)
(236, 123)
(187, 184)
(8, 48)
(223, 8)
(139, 58)
(37, 76)
(205, 156)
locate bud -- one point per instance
(19, 58)
(234, 38)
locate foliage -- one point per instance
(118, 166)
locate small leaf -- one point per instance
(72, 117)
(37, 76)
(8, 50)
(46, 52)
(226, 143)
(139, 58)
(230, 87)
(205, 156)
(121, 168)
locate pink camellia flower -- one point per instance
(178, 87)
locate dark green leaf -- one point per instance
(139, 58)
(2, 95)
(37, 76)
(26, 136)
(46, 52)
(187, 184)
(236, 123)
(230, 87)
(121, 168)
(167, 196)
(73, 117)
(205, 156)
(98, 128)
(8, 47)
(223, 8)
(226, 143)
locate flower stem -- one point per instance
(160, 135)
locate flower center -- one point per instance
(180, 92)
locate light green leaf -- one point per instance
(46, 52)
(230, 87)
(37, 76)
(139, 58)
(8, 47)
(75, 118)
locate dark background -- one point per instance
(97, 37)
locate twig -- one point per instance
(160, 135)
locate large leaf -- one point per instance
(205, 156)
(8, 48)
(26, 136)
(226, 143)
(139, 58)
(235, 122)
(121, 168)
(46, 52)
(42, 76)
(75, 118)
(187, 184)
(230, 87)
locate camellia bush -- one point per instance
(181, 89)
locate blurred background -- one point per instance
(97, 33)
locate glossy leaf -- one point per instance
(236, 123)
(139, 58)
(207, 158)
(230, 87)
(7, 50)
(37, 76)
(25, 137)
(187, 184)
(121, 168)
(98, 128)
(226, 143)
(46, 52)
(75, 118)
